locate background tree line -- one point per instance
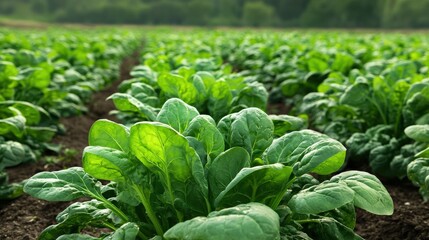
(255, 13)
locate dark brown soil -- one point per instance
(409, 221)
(278, 108)
(26, 217)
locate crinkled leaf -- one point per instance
(369, 192)
(11, 191)
(64, 185)
(419, 133)
(204, 129)
(285, 123)
(250, 129)
(418, 173)
(77, 216)
(105, 133)
(127, 103)
(220, 99)
(177, 114)
(225, 167)
(15, 153)
(246, 221)
(176, 86)
(264, 184)
(321, 198)
(307, 151)
(328, 228)
(167, 153)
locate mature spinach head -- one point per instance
(169, 176)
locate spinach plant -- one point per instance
(141, 97)
(186, 177)
(418, 170)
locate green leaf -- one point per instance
(285, 123)
(419, 133)
(128, 231)
(204, 129)
(307, 151)
(176, 86)
(10, 191)
(15, 125)
(77, 236)
(346, 215)
(105, 163)
(357, 95)
(264, 184)
(418, 173)
(250, 129)
(177, 114)
(105, 133)
(402, 70)
(343, 63)
(247, 221)
(78, 216)
(64, 185)
(36, 77)
(225, 167)
(321, 198)
(327, 229)
(127, 103)
(317, 65)
(15, 153)
(167, 153)
(290, 87)
(253, 95)
(369, 192)
(30, 112)
(41, 134)
(7, 71)
(220, 99)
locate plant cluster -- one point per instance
(43, 78)
(183, 176)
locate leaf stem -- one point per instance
(280, 196)
(149, 211)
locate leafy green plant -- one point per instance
(185, 172)
(418, 170)
(141, 97)
(44, 77)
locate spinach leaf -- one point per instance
(167, 153)
(250, 128)
(265, 184)
(177, 114)
(223, 169)
(306, 151)
(246, 221)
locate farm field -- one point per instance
(159, 133)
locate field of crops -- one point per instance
(223, 134)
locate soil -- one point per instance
(26, 217)
(409, 221)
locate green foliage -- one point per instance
(43, 80)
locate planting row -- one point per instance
(45, 76)
(198, 158)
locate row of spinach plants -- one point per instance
(46, 76)
(363, 90)
(210, 165)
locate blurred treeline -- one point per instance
(255, 13)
